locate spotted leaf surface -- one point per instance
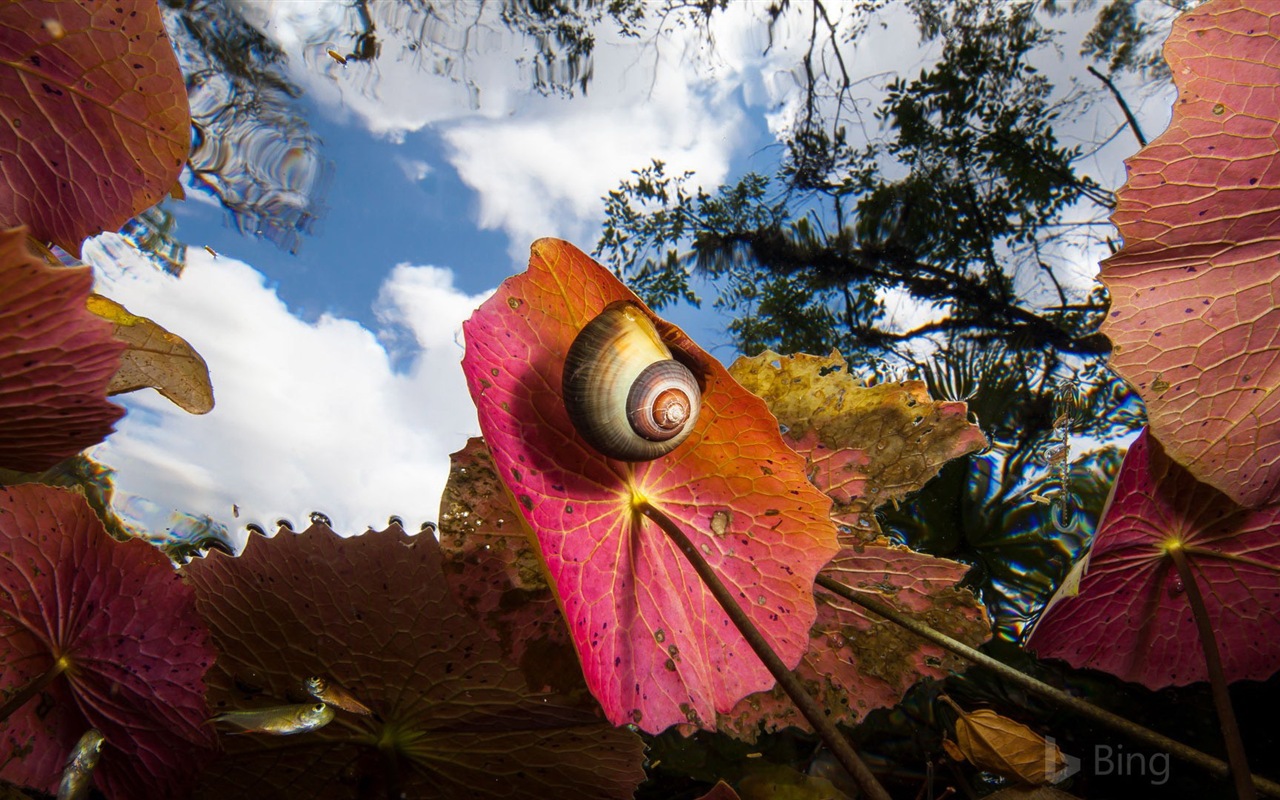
(857, 661)
(1131, 616)
(56, 361)
(373, 614)
(155, 358)
(1195, 292)
(94, 116)
(136, 651)
(901, 436)
(493, 570)
(655, 647)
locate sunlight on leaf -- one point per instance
(903, 436)
(95, 125)
(1131, 616)
(56, 361)
(135, 649)
(655, 646)
(865, 446)
(373, 614)
(155, 358)
(1194, 317)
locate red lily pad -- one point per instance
(1131, 616)
(373, 614)
(655, 647)
(95, 124)
(126, 626)
(1194, 317)
(56, 361)
(492, 567)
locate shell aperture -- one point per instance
(625, 393)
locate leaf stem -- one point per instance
(1158, 741)
(839, 745)
(20, 697)
(1217, 677)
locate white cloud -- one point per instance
(415, 169)
(309, 415)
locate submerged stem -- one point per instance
(20, 697)
(1213, 766)
(839, 745)
(1217, 677)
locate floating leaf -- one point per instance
(1194, 318)
(126, 630)
(373, 614)
(1001, 745)
(155, 358)
(858, 661)
(56, 360)
(655, 646)
(903, 435)
(1131, 617)
(865, 446)
(94, 116)
(493, 569)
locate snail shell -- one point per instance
(623, 390)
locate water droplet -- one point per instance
(1175, 587)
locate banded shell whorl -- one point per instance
(624, 392)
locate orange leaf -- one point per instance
(656, 648)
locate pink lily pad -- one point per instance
(136, 651)
(373, 614)
(1195, 319)
(56, 361)
(1131, 616)
(93, 116)
(655, 647)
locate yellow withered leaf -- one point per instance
(155, 358)
(998, 744)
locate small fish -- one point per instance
(79, 772)
(279, 720)
(339, 57)
(335, 695)
(211, 251)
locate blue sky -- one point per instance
(336, 370)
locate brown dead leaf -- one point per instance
(902, 437)
(155, 358)
(998, 744)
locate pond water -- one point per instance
(366, 177)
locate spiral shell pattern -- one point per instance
(624, 392)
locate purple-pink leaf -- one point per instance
(655, 646)
(94, 125)
(56, 361)
(1195, 303)
(1131, 616)
(126, 630)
